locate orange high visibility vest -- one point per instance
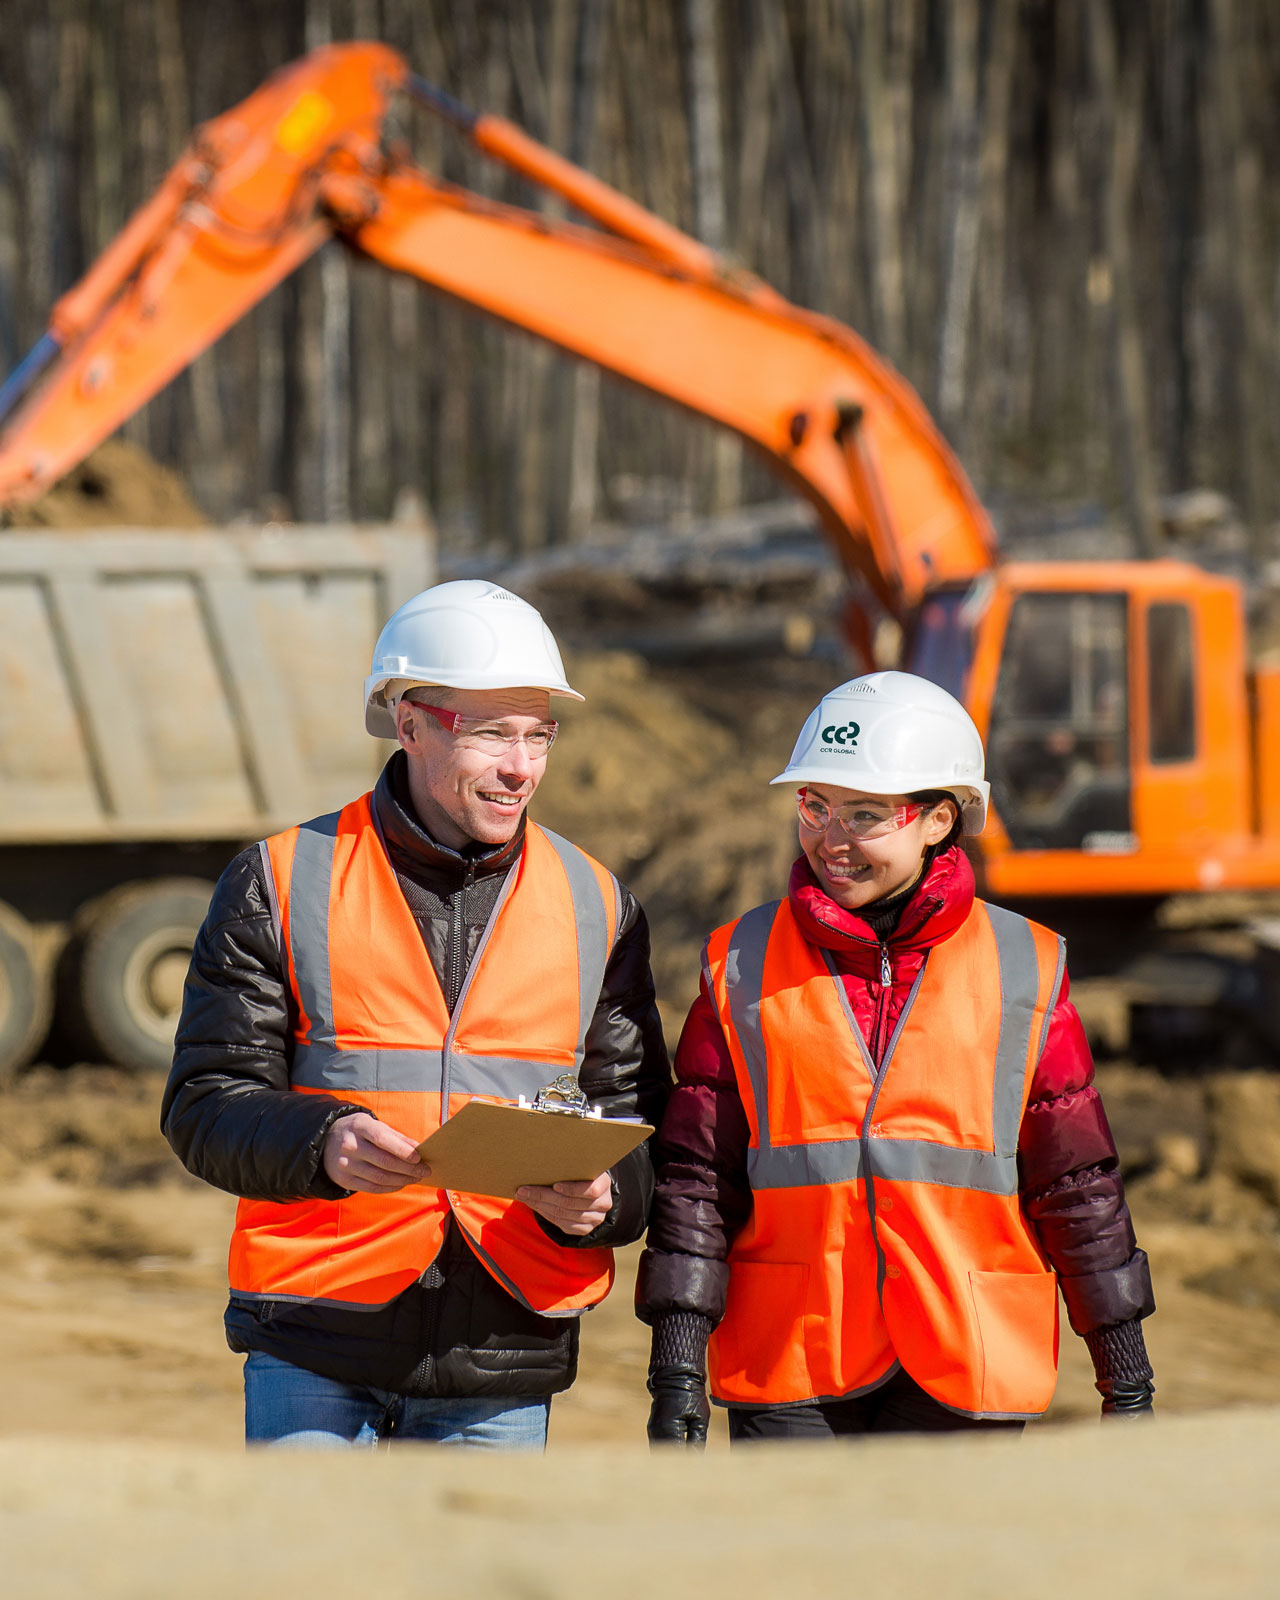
(373, 1029)
(886, 1227)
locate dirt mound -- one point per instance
(1202, 1164)
(118, 486)
(87, 1125)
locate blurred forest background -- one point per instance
(1051, 215)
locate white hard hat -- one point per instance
(469, 634)
(893, 733)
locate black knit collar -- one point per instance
(883, 916)
(413, 850)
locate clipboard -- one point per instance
(494, 1147)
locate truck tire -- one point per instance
(125, 968)
(26, 994)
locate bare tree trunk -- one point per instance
(993, 181)
(269, 405)
(1179, 111)
(753, 152)
(881, 139)
(1122, 90)
(1252, 360)
(705, 124)
(333, 378)
(801, 189)
(407, 442)
(963, 214)
(547, 94)
(12, 348)
(584, 427)
(205, 455)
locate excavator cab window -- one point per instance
(1171, 676)
(1058, 744)
(940, 645)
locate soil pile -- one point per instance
(118, 486)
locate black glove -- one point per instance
(1126, 1397)
(680, 1413)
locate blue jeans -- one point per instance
(288, 1406)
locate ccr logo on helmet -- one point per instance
(909, 736)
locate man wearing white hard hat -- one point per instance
(884, 1154)
(361, 976)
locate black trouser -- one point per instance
(898, 1406)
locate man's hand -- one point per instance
(574, 1208)
(362, 1153)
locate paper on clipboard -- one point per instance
(493, 1148)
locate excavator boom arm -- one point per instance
(262, 187)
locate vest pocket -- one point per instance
(760, 1351)
(1017, 1314)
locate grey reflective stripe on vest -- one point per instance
(323, 1067)
(843, 995)
(309, 881)
(744, 987)
(318, 1062)
(593, 931)
(1019, 986)
(994, 1171)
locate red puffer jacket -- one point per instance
(1070, 1183)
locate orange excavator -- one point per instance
(1134, 752)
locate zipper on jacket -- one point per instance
(424, 1372)
(458, 935)
(878, 1040)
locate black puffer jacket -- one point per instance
(229, 1118)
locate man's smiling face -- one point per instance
(464, 787)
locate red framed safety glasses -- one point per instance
(858, 819)
(489, 733)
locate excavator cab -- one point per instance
(1128, 743)
(1059, 737)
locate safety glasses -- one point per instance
(493, 736)
(858, 819)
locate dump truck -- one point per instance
(165, 698)
(1133, 737)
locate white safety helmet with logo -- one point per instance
(893, 733)
(469, 634)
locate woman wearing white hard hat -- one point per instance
(884, 1155)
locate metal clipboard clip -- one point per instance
(563, 1097)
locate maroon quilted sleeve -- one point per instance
(1071, 1187)
(702, 1197)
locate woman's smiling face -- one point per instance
(858, 872)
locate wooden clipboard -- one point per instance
(493, 1148)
